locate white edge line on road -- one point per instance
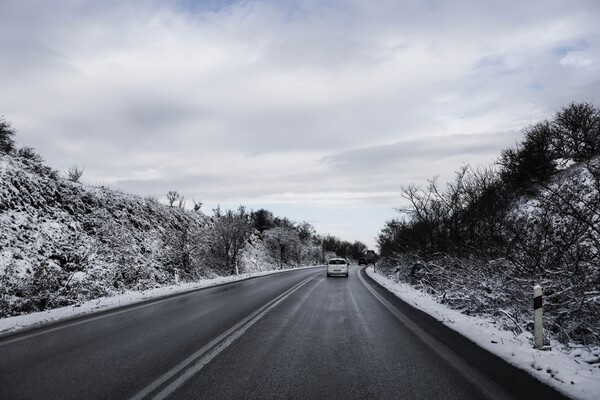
(212, 349)
(108, 313)
(486, 386)
(84, 320)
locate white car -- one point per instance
(337, 266)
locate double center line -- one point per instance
(164, 386)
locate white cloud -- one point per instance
(577, 59)
(242, 101)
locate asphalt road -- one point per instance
(295, 335)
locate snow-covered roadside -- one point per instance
(14, 324)
(564, 369)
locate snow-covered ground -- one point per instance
(14, 324)
(569, 370)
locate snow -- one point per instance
(561, 367)
(18, 323)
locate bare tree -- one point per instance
(172, 197)
(230, 234)
(183, 247)
(262, 220)
(74, 173)
(197, 205)
(284, 243)
(576, 131)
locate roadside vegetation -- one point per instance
(63, 242)
(480, 242)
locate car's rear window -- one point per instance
(337, 262)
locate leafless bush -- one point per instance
(29, 154)
(228, 237)
(284, 244)
(7, 144)
(181, 202)
(74, 173)
(35, 163)
(152, 199)
(576, 130)
(185, 248)
(172, 197)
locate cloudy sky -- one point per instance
(316, 110)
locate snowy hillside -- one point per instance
(548, 237)
(555, 239)
(483, 241)
(62, 242)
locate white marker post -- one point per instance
(538, 329)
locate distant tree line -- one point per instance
(286, 238)
(533, 216)
(223, 238)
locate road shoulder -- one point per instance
(488, 348)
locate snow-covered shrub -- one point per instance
(228, 236)
(74, 173)
(284, 244)
(35, 163)
(184, 248)
(7, 143)
(311, 253)
(256, 257)
(551, 239)
(559, 249)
